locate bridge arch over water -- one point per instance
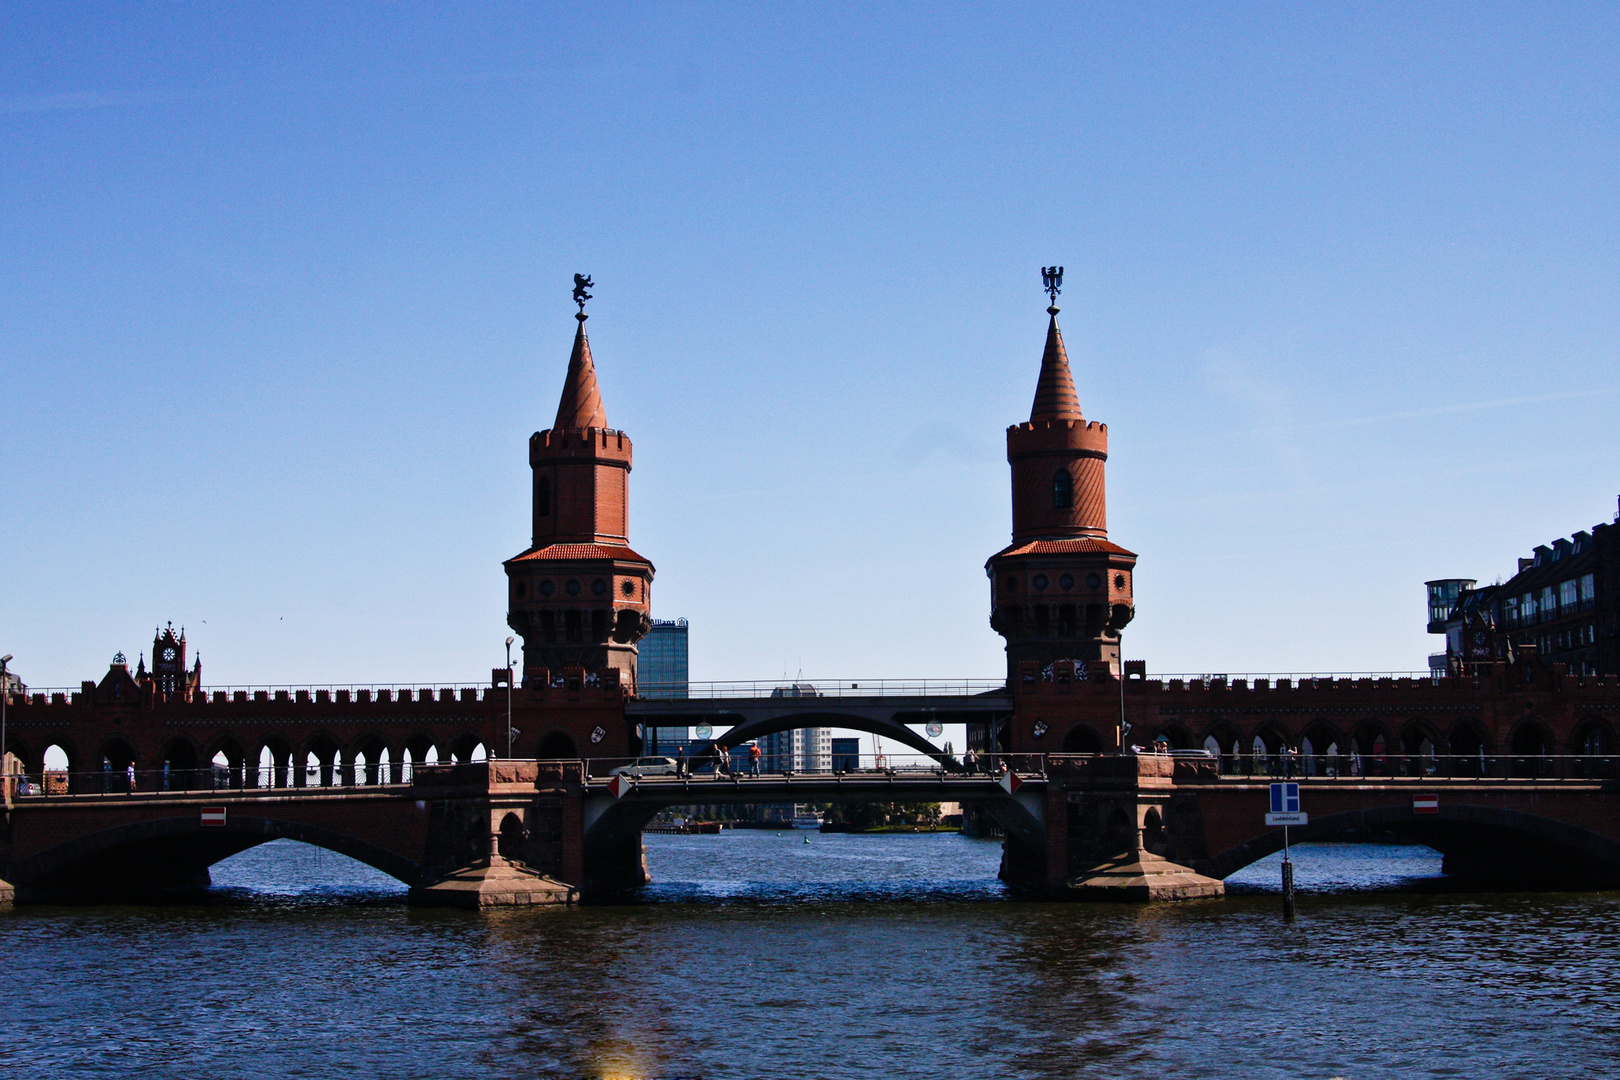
(176, 851)
(1483, 843)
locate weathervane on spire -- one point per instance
(581, 283)
(1052, 282)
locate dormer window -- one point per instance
(1062, 490)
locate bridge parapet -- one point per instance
(821, 688)
(1064, 678)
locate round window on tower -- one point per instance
(628, 588)
(598, 587)
(573, 588)
(548, 587)
(1039, 581)
(1067, 581)
(1093, 581)
(1119, 582)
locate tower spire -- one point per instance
(1055, 398)
(581, 404)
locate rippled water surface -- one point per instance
(850, 956)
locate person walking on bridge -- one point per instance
(753, 758)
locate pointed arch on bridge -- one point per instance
(18, 748)
(747, 729)
(176, 841)
(1445, 829)
(1466, 744)
(373, 749)
(1593, 736)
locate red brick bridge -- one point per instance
(1521, 759)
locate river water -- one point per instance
(760, 955)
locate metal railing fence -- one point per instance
(1199, 765)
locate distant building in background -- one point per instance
(662, 666)
(1563, 605)
(12, 686)
(846, 755)
(1443, 595)
(800, 750)
(662, 673)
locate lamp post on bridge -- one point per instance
(1124, 724)
(5, 699)
(509, 641)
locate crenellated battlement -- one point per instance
(1061, 680)
(1088, 437)
(587, 444)
(605, 684)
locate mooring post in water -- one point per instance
(1288, 880)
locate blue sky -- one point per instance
(286, 290)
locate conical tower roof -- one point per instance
(1055, 398)
(581, 404)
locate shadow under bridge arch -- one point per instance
(1485, 844)
(614, 821)
(168, 853)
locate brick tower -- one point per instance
(579, 596)
(1060, 591)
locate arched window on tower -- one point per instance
(542, 496)
(1062, 490)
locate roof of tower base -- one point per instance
(581, 404)
(1082, 546)
(1055, 398)
(579, 551)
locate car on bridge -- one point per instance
(647, 766)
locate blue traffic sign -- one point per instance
(1285, 798)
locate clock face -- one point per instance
(168, 654)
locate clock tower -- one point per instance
(1061, 591)
(579, 596)
(169, 675)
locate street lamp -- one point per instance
(509, 696)
(5, 699)
(1124, 724)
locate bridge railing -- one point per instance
(821, 688)
(163, 782)
(1185, 765)
(1422, 766)
(707, 766)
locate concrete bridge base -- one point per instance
(498, 884)
(1140, 876)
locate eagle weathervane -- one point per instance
(581, 283)
(1052, 282)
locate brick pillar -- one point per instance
(573, 840)
(1057, 836)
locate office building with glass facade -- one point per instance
(662, 673)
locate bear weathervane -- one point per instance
(581, 283)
